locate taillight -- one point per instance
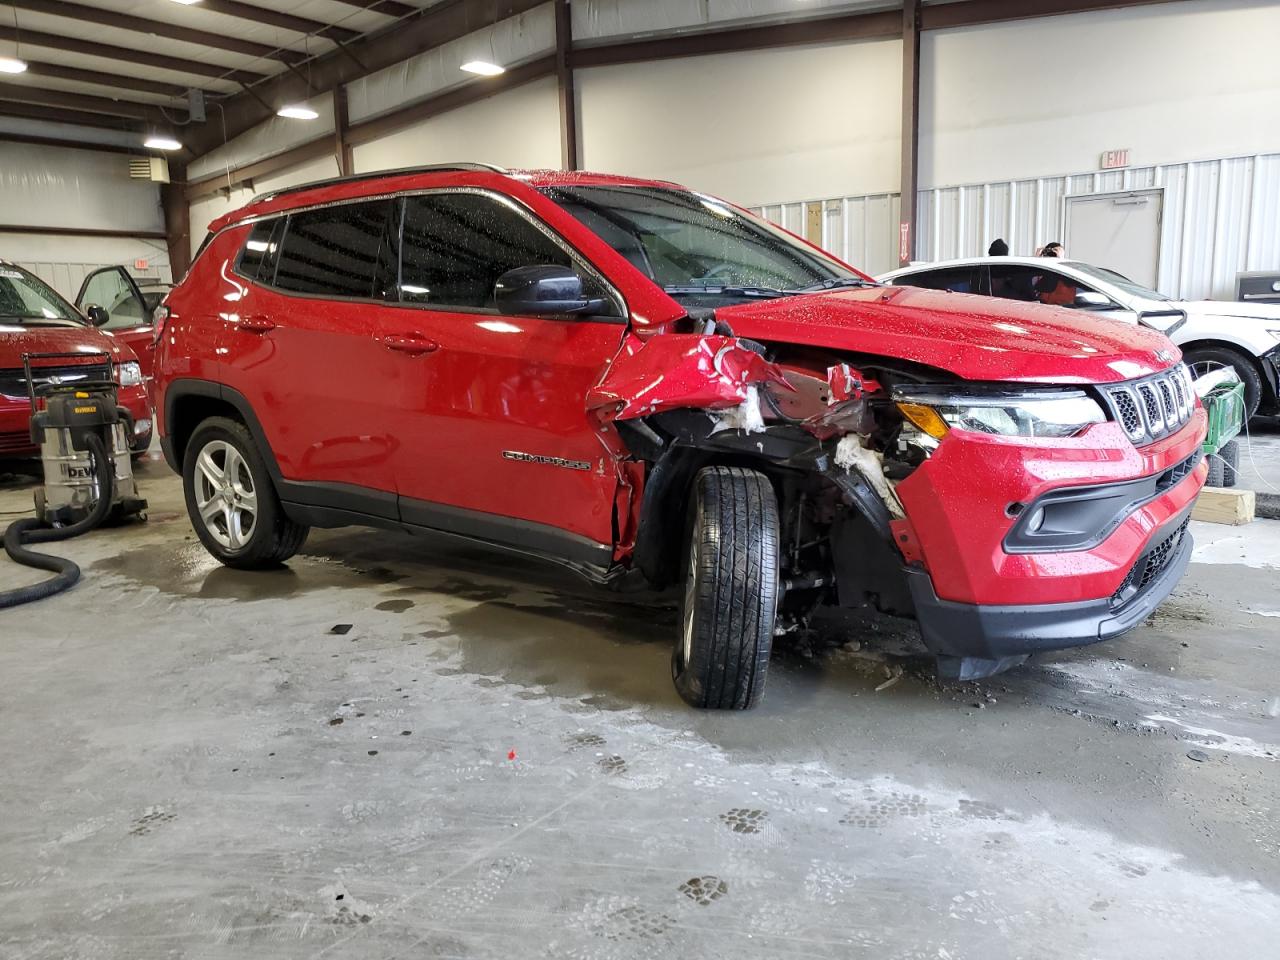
(158, 318)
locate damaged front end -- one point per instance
(825, 431)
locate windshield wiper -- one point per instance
(836, 283)
(706, 290)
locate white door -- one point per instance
(1119, 231)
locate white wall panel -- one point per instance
(204, 212)
(86, 189)
(519, 128)
(266, 139)
(747, 126)
(1221, 217)
(509, 42)
(63, 262)
(1171, 82)
(600, 19)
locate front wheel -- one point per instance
(731, 590)
(231, 500)
(1204, 360)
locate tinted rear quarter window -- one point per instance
(340, 251)
(956, 279)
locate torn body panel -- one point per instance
(679, 402)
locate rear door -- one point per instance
(129, 317)
(492, 414)
(305, 345)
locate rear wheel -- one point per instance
(731, 590)
(231, 501)
(1204, 360)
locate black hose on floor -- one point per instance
(31, 530)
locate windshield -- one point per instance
(1117, 280)
(695, 246)
(26, 299)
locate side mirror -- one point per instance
(97, 315)
(1089, 300)
(544, 288)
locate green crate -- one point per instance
(1225, 406)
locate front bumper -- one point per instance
(15, 423)
(972, 641)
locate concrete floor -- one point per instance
(492, 763)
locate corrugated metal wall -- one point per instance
(1221, 217)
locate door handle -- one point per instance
(256, 324)
(412, 344)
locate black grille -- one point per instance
(1153, 407)
(1127, 410)
(13, 383)
(1149, 566)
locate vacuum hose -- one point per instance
(31, 530)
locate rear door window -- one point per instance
(346, 250)
(455, 246)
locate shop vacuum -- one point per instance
(88, 474)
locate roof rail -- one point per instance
(378, 174)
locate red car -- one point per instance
(635, 379)
(128, 309)
(34, 319)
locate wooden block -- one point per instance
(1222, 505)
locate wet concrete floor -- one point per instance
(405, 747)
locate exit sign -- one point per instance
(1113, 159)
(140, 264)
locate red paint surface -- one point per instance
(344, 398)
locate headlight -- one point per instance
(128, 374)
(1060, 413)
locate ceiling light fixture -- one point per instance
(12, 65)
(186, 3)
(296, 111)
(161, 143)
(483, 68)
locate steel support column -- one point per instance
(570, 157)
(910, 129)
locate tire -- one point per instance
(731, 590)
(261, 535)
(1203, 359)
(1224, 466)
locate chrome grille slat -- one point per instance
(1154, 406)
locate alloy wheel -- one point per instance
(225, 496)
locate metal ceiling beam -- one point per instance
(71, 140)
(157, 28)
(857, 26)
(286, 21)
(373, 129)
(129, 109)
(391, 8)
(37, 68)
(973, 12)
(30, 111)
(422, 30)
(106, 51)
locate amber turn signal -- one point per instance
(924, 417)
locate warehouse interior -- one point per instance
(403, 742)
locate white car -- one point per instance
(1211, 333)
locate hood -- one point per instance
(972, 337)
(15, 340)
(1269, 312)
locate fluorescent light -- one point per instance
(483, 67)
(12, 65)
(186, 3)
(296, 111)
(161, 143)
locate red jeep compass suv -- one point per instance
(629, 376)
